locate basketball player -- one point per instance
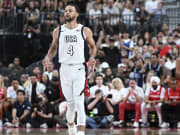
(70, 41)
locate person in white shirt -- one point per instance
(11, 91)
(151, 4)
(34, 89)
(99, 85)
(49, 72)
(117, 95)
(132, 98)
(11, 94)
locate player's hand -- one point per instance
(92, 63)
(45, 62)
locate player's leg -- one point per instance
(78, 87)
(66, 86)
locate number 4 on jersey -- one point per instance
(70, 50)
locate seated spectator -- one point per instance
(21, 110)
(100, 111)
(138, 72)
(171, 106)
(116, 96)
(132, 98)
(37, 71)
(99, 85)
(11, 90)
(147, 83)
(23, 79)
(42, 113)
(154, 65)
(34, 89)
(2, 98)
(49, 70)
(108, 76)
(154, 97)
(45, 80)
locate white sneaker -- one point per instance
(1, 123)
(178, 125)
(136, 124)
(72, 130)
(164, 125)
(44, 126)
(8, 124)
(28, 125)
(80, 133)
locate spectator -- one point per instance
(94, 17)
(128, 15)
(132, 98)
(112, 53)
(34, 89)
(99, 85)
(37, 71)
(171, 62)
(23, 79)
(171, 106)
(155, 66)
(2, 98)
(52, 93)
(16, 65)
(117, 85)
(127, 45)
(147, 38)
(32, 27)
(147, 83)
(21, 110)
(42, 113)
(11, 90)
(50, 68)
(158, 13)
(142, 16)
(138, 72)
(122, 73)
(99, 111)
(112, 10)
(154, 97)
(151, 4)
(45, 80)
(108, 76)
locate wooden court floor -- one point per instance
(127, 131)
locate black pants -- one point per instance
(36, 122)
(170, 113)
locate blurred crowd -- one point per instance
(134, 72)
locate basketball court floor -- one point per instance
(127, 131)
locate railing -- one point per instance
(18, 24)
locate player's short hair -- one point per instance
(74, 5)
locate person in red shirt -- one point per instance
(2, 98)
(154, 97)
(171, 104)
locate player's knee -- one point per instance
(71, 106)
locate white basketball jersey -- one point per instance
(71, 45)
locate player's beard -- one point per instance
(70, 19)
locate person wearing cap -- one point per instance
(154, 97)
(171, 106)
